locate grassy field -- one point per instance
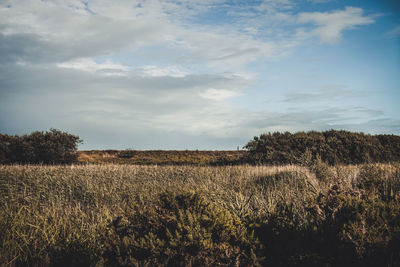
(163, 157)
(127, 215)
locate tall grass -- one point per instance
(95, 215)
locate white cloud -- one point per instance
(74, 29)
(101, 28)
(218, 94)
(330, 25)
(86, 64)
(274, 5)
(172, 71)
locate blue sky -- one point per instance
(197, 74)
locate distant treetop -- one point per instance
(333, 147)
(50, 147)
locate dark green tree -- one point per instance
(332, 147)
(50, 147)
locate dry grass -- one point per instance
(50, 207)
(163, 157)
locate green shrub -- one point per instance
(322, 170)
(337, 228)
(52, 147)
(377, 181)
(363, 231)
(126, 154)
(183, 230)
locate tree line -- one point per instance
(332, 147)
(50, 147)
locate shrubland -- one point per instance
(332, 147)
(312, 214)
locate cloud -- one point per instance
(172, 103)
(25, 47)
(172, 71)
(393, 33)
(360, 118)
(330, 25)
(66, 31)
(216, 94)
(327, 93)
(73, 33)
(150, 112)
(320, 1)
(156, 74)
(271, 6)
(87, 64)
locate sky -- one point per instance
(189, 74)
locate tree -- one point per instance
(51, 147)
(332, 147)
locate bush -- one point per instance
(361, 231)
(374, 180)
(322, 170)
(333, 147)
(126, 154)
(345, 224)
(52, 147)
(183, 230)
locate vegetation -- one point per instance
(333, 147)
(163, 157)
(203, 212)
(52, 147)
(126, 215)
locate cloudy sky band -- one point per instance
(197, 74)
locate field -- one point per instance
(130, 215)
(163, 157)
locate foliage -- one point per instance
(52, 147)
(182, 230)
(333, 147)
(121, 215)
(362, 229)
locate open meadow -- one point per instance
(130, 215)
(199, 133)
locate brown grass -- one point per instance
(162, 157)
(48, 207)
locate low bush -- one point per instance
(359, 229)
(182, 230)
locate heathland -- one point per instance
(303, 199)
(128, 215)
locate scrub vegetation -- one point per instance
(202, 208)
(163, 157)
(128, 215)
